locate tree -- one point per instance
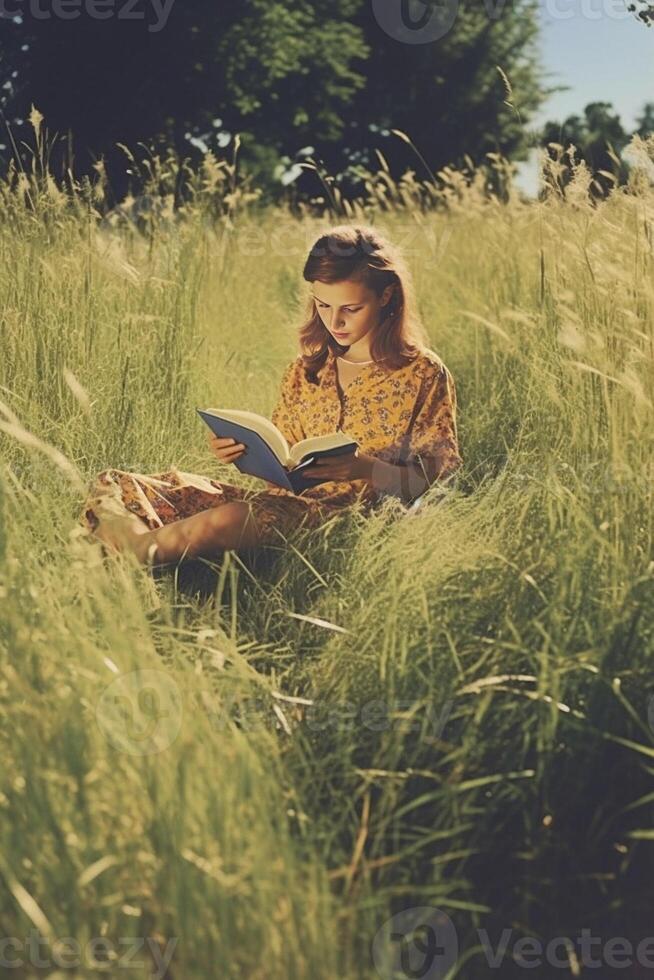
(644, 10)
(449, 95)
(253, 67)
(284, 75)
(598, 138)
(645, 122)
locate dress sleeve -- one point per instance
(285, 414)
(433, 439)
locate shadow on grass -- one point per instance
(199, 578)
(295, 568)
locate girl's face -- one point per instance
(348, 309)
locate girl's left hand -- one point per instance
(350, 466)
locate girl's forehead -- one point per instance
(344, 292)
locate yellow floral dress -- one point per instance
(399, 416)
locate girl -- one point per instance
(365, 368)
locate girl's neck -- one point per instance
(348, 360)
(359, 352)
(356, 355)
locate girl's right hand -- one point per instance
(226, 450)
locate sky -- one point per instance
(603, 52)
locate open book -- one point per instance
(268, 454)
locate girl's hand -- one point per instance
(226, 450)
(351, 466)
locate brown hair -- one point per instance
(360, 253)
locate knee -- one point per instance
(232, 524)
(230, 513)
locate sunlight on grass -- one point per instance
(396, 712)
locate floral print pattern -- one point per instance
(401, 416)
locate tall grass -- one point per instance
(448, 709)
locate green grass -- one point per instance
(508, 630)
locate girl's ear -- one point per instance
(387, 294)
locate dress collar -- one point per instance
(329, 375)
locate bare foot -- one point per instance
(121, 531)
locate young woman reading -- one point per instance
(365, 368)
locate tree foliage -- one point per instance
(598, 138)
(645, 121)
(317, 74)
(644, 10)
(451, 96)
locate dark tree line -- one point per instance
(317, 74)
(319, 78)
(599, 139)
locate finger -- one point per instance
(230, 453)
(222, 441)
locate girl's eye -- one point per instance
(348, 309)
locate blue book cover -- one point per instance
(264, 455)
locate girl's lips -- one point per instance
(340, 334)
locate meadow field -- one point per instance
(247, 768)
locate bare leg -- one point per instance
(205, 535)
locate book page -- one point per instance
(317, 443)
